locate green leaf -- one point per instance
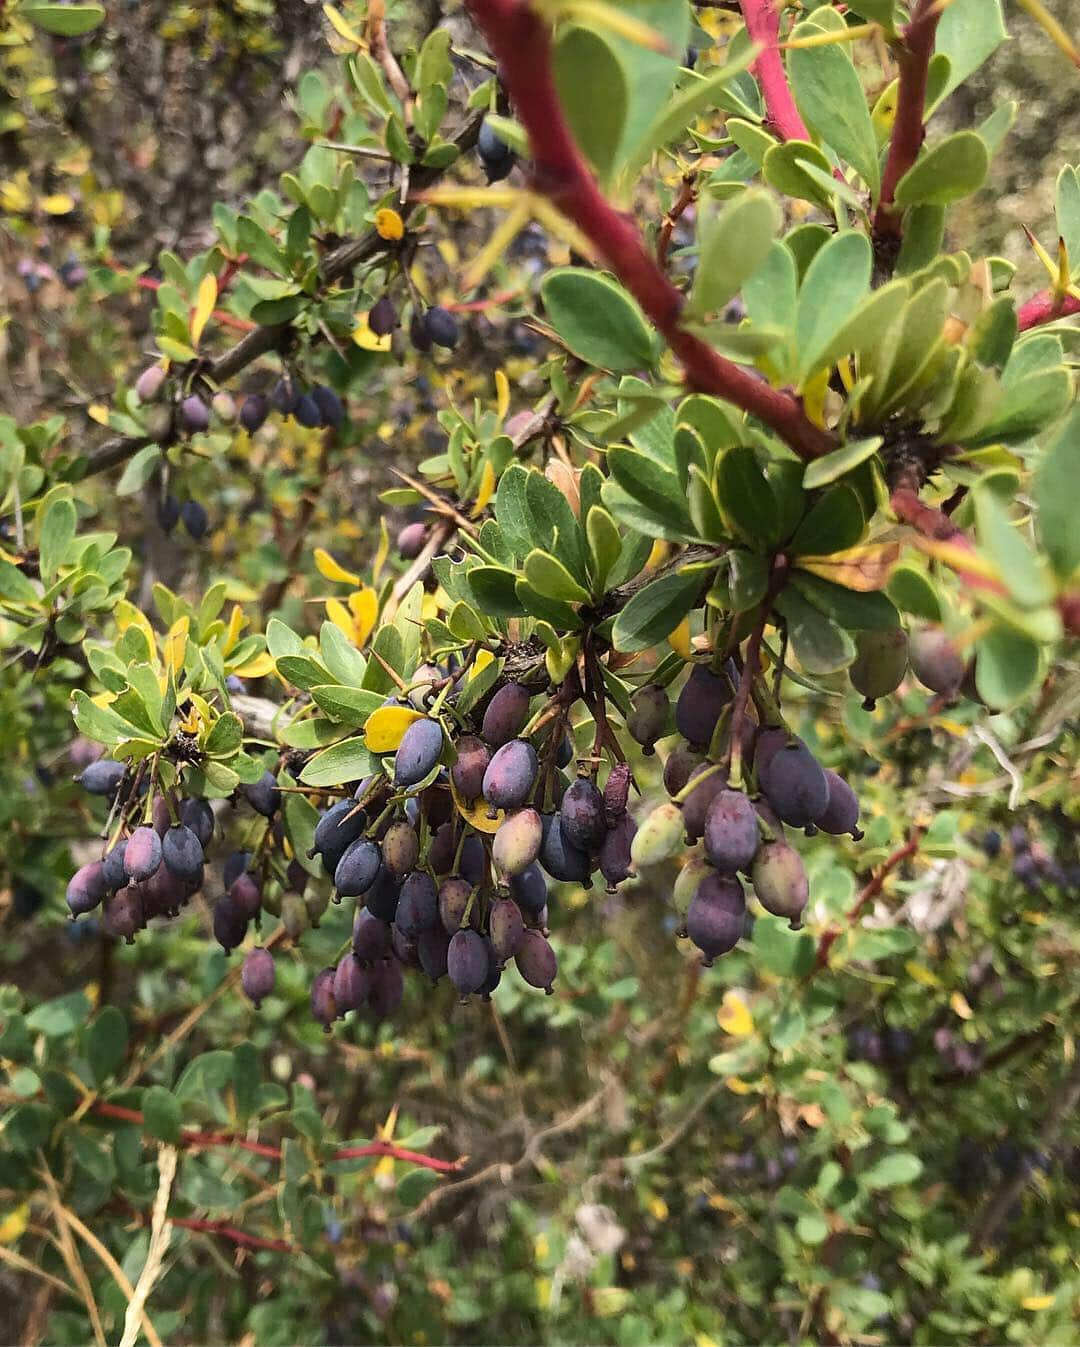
(1008, 667)
(494, 588)
(830, 96)
(353, 705)
(953, 168)
(64, 20)
(833, 523)
(912, 592)
(820, 646)
(605, 544)
(161, 1114)
(1020, 569)
(654, 486)
(732, 245)
(746, 503)
(747, 579)
(593, 90)
(783, 170)
(302, 671)
(830, 467)
(139, 470)
(341, 763)
(59, 1017)
(56, 535)
(14, 586)
(549, 576)
(655, 611)
(105, 1043)
(282, 640)
(854, 610)
(538, 604)
(596, 319)
(782, 951)
(836, 281)
(864, 328)
(99, 722)
(1067, 211)
(1056, 478)
(891, 1171)
(968, 33)
(226, 736)
(340, 656)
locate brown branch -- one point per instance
(913, 53)
(686, 198)
(869, 892)
(336, 266)
(521, 42)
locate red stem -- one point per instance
(908, 130)
(190, 1137)
(763, 25)
(935, 524)
(870, 890)
(521, 42)
(233, 1233)
(1044, 308)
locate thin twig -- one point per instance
(869, 892)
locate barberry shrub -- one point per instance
(593, 513)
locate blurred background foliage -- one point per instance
(884, 1152)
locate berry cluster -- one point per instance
(742, 831)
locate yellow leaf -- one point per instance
(1037, 1302)
(14, 1223)
(175, 647)
(235, 627)
(502, 394)
(734, 1015)
(476, 814)
(127, 614)
(860, 568)
(386, 727)
(57, 204)
(329, 569)
(366, 339)
(340, 616)
(204, 306)
(960, 1006)
(342, 28)
(485, 491)
(257, 667)
(382, 551)
(480, 663)
(657, 556)
(97, 411)
(955, 557)
(679, 640)
(472, 198)
(389, 225)
(920, 973)
(658, 1208)
(499, 240)
(364, 606)
(813, 395)
(737, 1086)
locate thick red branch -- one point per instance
(937, 526)
(762, 21)
(203, 1140)
(521, 42)
(908, 131)
(1044, 308)
(234, 1234)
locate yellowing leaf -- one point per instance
(343, 29)
(480, 663)
(502, 394)
(1037, 1302)
(472, 198)
(386, 727)
(97, 411)
(257, 667)
(382, 551)
(920, 973)
(734, 1015)
(485, 491)
(235, 627)
(861, 568)
(330, 569)
(57, 204)
(14, 1223)
(204, 306)
(127, 614)
(476, 814)
(679, 640)
(175, 648)
(960, 1006)
(364, 606)
(658, 1208)
(737, 1086)
(499, 240)
(366, 339)
(389, 224)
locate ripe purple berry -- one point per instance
(194, 414)
(536, 962)
(794, 784)
(716, 916)
(702, 700)
(418, 905)
(418, 753)
(506, 714)
(647, 721)
(257, 976)
(352, 984)
(142, 856)
(842, 812)
(510, 775)
(467, 773)
(253, 412)
(86, 888)
(583, 815)
(323, 1005)
(732, 835)
(467, 961)
(356, 871)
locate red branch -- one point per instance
(937, 526)
(908, 130)
(763, 25)
(196, 1139)
(870, 891)
(233, 1233)
(521, 42)
(1044, 308)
